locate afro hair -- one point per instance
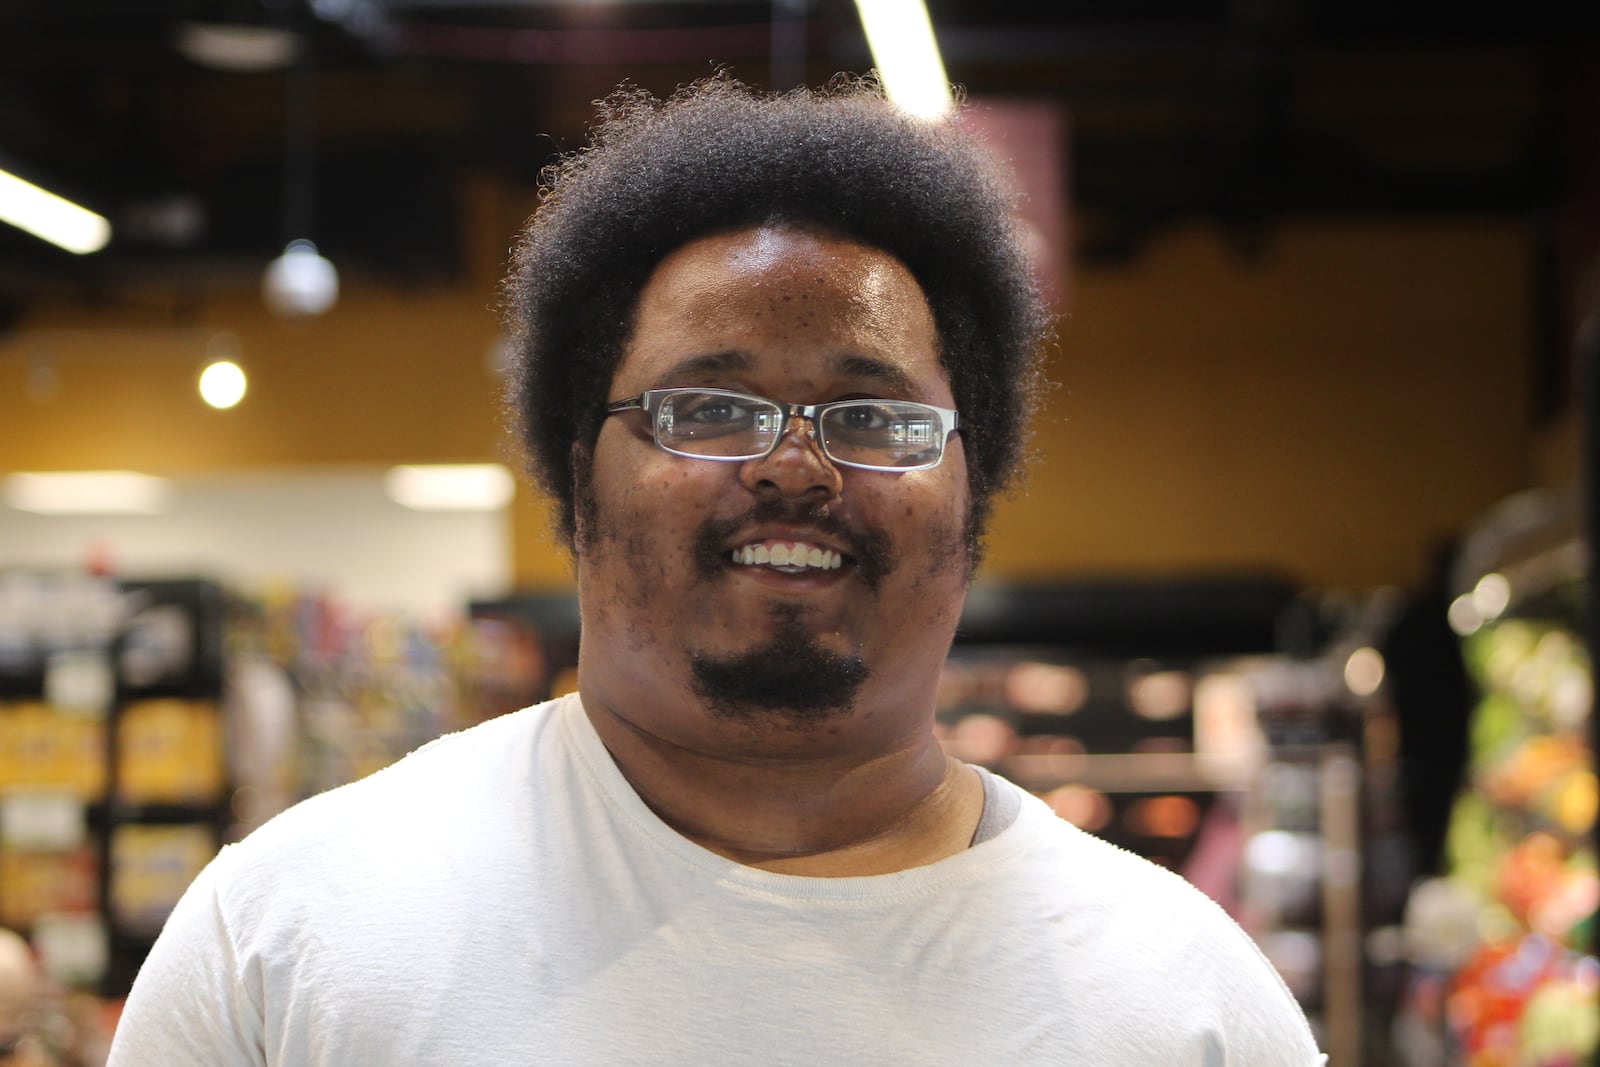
(718, 157)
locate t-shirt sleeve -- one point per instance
(190, 1003)
(1266, 1023)
(1172, 978)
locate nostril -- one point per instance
(796, 467)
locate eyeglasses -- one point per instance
(874, 435)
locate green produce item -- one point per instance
(1560, 1025)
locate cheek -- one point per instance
(645, 525)
(946, 556)
(942, 531)
(925, 522)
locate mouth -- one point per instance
(787, 557)
(788, 548)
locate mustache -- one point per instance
(870, 549)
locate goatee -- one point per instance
(788, 681)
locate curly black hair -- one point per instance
(718, 157)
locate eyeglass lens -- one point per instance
(878, 433)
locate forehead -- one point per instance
(770, 299)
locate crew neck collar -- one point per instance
(602, 771)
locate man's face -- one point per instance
(674, 625)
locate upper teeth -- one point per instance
(794, 555)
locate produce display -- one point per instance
(1504, 943)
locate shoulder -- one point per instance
(491, 750)
(1151, 944)
(1135, 903)
(447, 790)
(1095, 873)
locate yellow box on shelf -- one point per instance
(38, 883)
(170, 752)
(42, 747)
(151, 866)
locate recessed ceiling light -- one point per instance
(222, 384)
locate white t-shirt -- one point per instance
(503, 896)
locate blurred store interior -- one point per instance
(1293, 599)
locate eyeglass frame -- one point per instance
(812, 413)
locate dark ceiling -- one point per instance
(1241, 112)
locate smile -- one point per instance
(790, 557)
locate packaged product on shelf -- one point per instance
(42, 747)
(151, 866)
(37, 882)
(169, 751)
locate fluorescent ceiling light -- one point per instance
(88, 493)
(906, 55)
(451, 487)
(237, 49)
(48, 216)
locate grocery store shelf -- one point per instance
(1147, 772)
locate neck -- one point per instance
(824, 816)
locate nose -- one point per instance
(797, 467)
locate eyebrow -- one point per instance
(710, 363)
(878, 371)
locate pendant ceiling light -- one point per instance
(301, 282)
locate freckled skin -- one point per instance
(797, 308)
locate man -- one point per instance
(775, 355)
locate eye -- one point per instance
(711, 410)
(864, 418)
(709, 414)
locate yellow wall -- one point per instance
(383, 378)
(1327, 411)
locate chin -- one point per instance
(790, 676)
